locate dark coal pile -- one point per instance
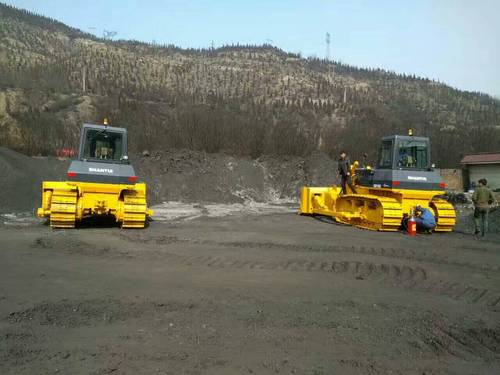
(465, 219)
(495, 220)
(178, 175)
(196, 177)
(21, 179)
(192, 176)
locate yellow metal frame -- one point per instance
(67, 202)
(375, 208)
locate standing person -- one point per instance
(345, 173)
(483, 198)
(426, 220)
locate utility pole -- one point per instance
(327, 39)
(84, 74)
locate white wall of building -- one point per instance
(491, 172)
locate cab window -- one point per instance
(385, 155)
(412, 155)
(103, 145)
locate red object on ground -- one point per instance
(66, 152)
(412, 227)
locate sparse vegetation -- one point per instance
(241, 100)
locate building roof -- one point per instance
(482, 158)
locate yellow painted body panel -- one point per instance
(375, 208)
(66, 203)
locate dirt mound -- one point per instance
(21, 179)
(494, 220)
(465, 219)
(178, 175)
(193, 176)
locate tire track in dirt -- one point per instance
(388, 252)
(457, 341)
(405, 276)
(398, 253)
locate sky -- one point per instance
(454, 41)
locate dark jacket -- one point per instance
(344, 166)
(483, 197)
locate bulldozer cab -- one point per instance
(103, 144)
(404, 152)
(403, 163)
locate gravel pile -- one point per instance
(21, 179)
(178, 175)
(191, 176)
(465, 219)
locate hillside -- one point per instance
(240, 100)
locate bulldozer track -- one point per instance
(135, 210)
(445, 214)
(63, 208)
(407, 277)
(388, 218)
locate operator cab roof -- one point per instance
(404, 137)
(102, 127)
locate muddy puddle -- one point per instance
(169, 211)
(175, 211)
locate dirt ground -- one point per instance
(247, 294)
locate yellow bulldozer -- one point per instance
(100, 183)
(386, 195)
